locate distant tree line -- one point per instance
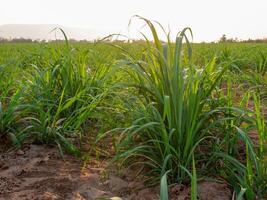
(224, 39)
(16, 40)
(71, 40)
(27, 40)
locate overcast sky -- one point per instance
(209, 19)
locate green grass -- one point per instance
(178, 95)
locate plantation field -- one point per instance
(187, 120)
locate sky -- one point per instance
(208, 19)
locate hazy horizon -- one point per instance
(208, 19)
(47, 32)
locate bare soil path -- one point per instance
(39, 173)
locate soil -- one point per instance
(38, 172)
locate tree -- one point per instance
(223, 38)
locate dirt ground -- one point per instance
(39, 173)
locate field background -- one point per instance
(83, 98)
